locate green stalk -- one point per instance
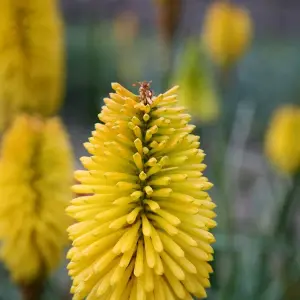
(224, 83)
(280, 231)
(32, 291)
(286, 209)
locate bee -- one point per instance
(146, 94)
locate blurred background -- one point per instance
(238, 65)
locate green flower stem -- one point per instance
(32, 291)
(286, 209)
(225, 77)
(286, 229)
(281, 230)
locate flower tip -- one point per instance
(171, 91)
(207, 185)
(115, 85)
(143, 176)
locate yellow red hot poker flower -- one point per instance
(36, 173)
(282, 144)
(227, 32)
(143, 233)
(31, 58)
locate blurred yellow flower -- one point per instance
(31, 58)
(126, 27)
(35, 178)
(144, 231)
(227, 31)
(282, 143)
(197, 90)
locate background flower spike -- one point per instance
(36, 173)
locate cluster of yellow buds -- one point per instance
(35, 178)
(227, 31)
(143, 232)
(282, 143)
(32, 58)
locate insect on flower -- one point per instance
(146, 93)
